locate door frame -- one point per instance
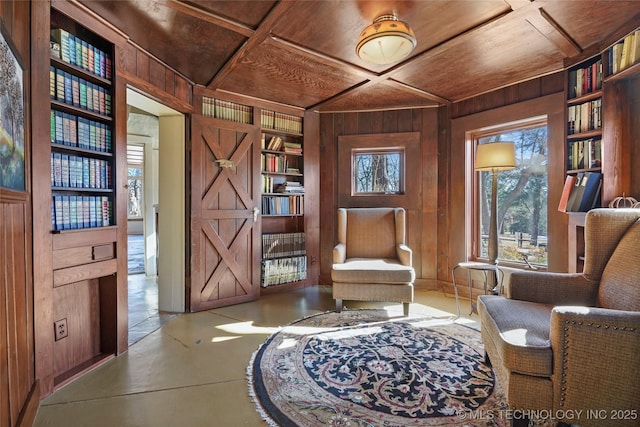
(172, 289)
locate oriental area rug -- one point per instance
(362, 368)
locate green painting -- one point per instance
(12, 161)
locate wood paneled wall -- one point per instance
(149, 75)
(422, 207)
(437, 225)
(19, 391)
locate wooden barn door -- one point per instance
(225, 226)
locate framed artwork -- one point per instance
(12, 116)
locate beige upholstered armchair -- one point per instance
(566, 342)
(371, 261)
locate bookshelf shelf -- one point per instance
(62, 147)
(585, 135)
(74, 69)
(59, 105)
(585, 98)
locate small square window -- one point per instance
(377, 172)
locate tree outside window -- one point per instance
(522, 197)
(135, 160)
(378, 172)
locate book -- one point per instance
(590, 194)
(576, 196)
(569, 183)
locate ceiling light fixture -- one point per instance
(386, 41)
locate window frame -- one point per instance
(473, 197)
(378, 151)
(137, 165)
(407, 141)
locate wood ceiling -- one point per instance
(302, 53)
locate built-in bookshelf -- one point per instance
(584, 116)
(601, 128)
(282, 166)
(82, 161)
(87, 324)
(282, 171)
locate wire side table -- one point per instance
(477, 266)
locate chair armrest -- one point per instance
(339, 253)
(550, 288)
(404, 254)
(595, 351)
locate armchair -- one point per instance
(371, 261)
(570, 342)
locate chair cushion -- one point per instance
(371, 233)
(520, 333)
(363, 270)
(620, 283)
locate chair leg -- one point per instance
(338, 305)
(405, 308)
(522, 421)
(487, 361)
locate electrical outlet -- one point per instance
(60, 328)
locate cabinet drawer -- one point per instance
(70, 257)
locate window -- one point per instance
(522, 196)
(378, 172)
(135, 162)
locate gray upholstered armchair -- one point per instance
(566, 342)
(371, 261)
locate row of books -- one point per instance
(73, 50)
(278, 245)
(283, 270)
(283, 205)
(277, 163)
(75, 212)
(72, 171)
(584, 117)
(581, 192)
(584, 154)
(585, 80)
(226, 110)
(73, 90)
(280, 121)
(73, 131)
(276, 184)
(624, 53)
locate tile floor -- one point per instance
(192, 370)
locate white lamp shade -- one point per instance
(496, 156)
(386, 41)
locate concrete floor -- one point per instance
(191, 370)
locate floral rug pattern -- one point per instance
(362, 368)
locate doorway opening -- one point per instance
(155, 165)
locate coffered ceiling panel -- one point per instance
(585, 21)
(280, 73)
(503, 52)
(195, 47)
(379, 96)
(249, 13)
